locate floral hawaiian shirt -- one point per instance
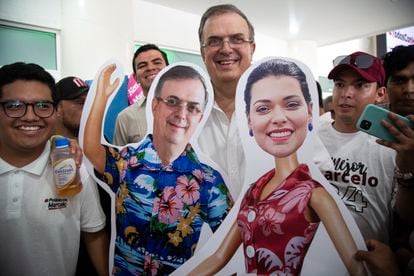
(160, 209)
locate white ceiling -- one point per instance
(323, 21)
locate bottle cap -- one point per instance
(61, 142)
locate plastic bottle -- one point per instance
(66, 174)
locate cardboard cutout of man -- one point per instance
(163, 193)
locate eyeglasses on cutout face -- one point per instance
(234, 41)
(176, 103)
(361, 61)
(17, 109)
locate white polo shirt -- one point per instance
(40, 231)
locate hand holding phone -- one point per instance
(370, 122)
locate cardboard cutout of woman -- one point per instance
(280, 212)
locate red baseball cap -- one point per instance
(367, 66)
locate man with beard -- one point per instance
(71, 93)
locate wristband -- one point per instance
(403, 176)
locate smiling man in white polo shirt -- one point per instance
(40, 231)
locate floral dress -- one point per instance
(275, 233)
(160, 209)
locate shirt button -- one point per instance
(251, 216)
(15, 199)
(250, 251)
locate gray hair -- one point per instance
(222, 9)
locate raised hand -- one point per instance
(105, 88)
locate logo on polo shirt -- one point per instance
(56, 203)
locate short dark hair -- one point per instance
(320, 96)
(145, 48)
(276, 67)
(27, 72)
(222, 9)
(326, 101)
(396, 60)
(180, 72)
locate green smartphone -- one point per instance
(370, 122)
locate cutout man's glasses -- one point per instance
(17, 109)
(176, 103)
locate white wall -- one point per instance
(303, 50)
(32, 12)
(165, 26)
(92, 31)
(267, 46)
(327, 54)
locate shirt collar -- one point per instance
(141, 101)
(217, 107)
(36, 167)
(300, 174)
(186, 162)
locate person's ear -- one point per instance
(59, 109)
(252, 49)
(154, 104)
(310, 106)
(381, 95)
(203, 55)
(310, 124)
(249, 123)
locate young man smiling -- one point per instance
(131, 123)
(362, 170)
(40, 231)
